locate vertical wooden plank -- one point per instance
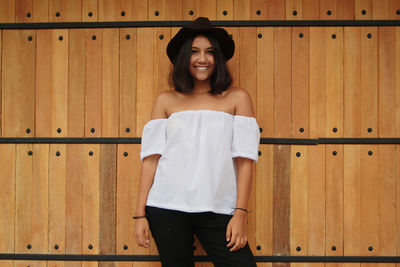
(281, 208)
(294, 10)
(22, 8)
(91, 199)
(387, 93)
(352, 196)
(397, 203)
(40, 11)
(283, 81)
(380, 9)
(23, 198)
(51, 83)
(156, 9)
(7, 200)
(300, 82)
(363, 9)
(369, 200)
(190, 9)
(345, 9)
(334, 82)
(145, 83)
(7, 11)
(74, 201)
(161, 60)
(258, 9)
(299, 201)
(173, 9)
(265, 81)
(397, 67)
(394, 7)
(127, 81)
(264, 202)
(123, 10)
(1, 79)
(387, 199)
(334, 200)
(76, 83)
(125, 199)
(65, 11)
(40, 200)
(90, 10)
(369, 81)
(241, 10)
(318, 92)
(107, 199)
(224, 9)
(316, 201)
(57, 197)
(328, 10)
(208, 8)
(94, 78)
(276, 10)
(233, 63)
(310, 10)
(18, 83)
(110, 87)
(351, 82)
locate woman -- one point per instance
(198, 150)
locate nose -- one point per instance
(202, 57)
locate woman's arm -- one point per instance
(149, 166)
(236, 234)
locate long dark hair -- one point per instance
(181, 78)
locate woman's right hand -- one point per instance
(142, 232)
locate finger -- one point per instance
(235, 247)
(233, 240)
(228, 233)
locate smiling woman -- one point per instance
(198, 159)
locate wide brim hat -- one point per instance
(197, 27)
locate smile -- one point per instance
(201, 68)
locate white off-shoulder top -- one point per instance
(196, 171)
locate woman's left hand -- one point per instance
(236, 232)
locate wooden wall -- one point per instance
(305, 82)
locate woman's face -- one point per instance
(202, 61)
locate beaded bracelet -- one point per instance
(138, 217)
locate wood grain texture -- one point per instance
(7, 200)
(283, 82)
(360, 6)
(127, 82)
(241, 10)
(276, 10)
(94, 82)
(156, 9)
(265, 81)
(57, 197)
(334, 200)
(294, 9)
(68, 10)
(7, 11)
(173, 9)
(387, 93)
(110, 86)
(352, 82)
(40, 11)
(18, 83)
(300, 82)
(22, 8)
(264, 192)
(281, 208)
(328, 9)
(76, 83)
(310, 9)
(224, 6)
(90, 10)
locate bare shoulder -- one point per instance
(160, 105)
(243, 102)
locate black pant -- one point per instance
(173, 233)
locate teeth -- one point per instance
(201, 68)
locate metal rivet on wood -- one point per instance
(225, 12)
(90, 153)
(123, 13)
(363, 11)
(58, 14)
(30, 153)
(127, 130)
(191, 12)
(90, 13)
(92, 130)
(125, 154)
(298, 154)
(58, 153)
(258, 12)
(294, 13)
(28, 14)
(301, 35)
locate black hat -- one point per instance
(196, 27)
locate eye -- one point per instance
(194, 51)
(211, 52)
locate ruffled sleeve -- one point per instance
(245, 138)
(153, 138)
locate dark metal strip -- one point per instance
(361, 141)
(81, 257)
(225, 23)
(137, 140)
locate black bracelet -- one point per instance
(138, 217)
(241, 209)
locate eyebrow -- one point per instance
(206, 48)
